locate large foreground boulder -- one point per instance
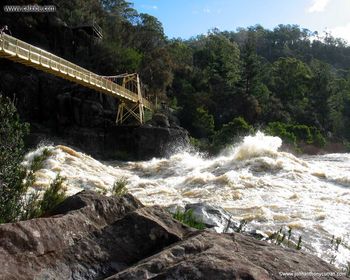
(209, 255)
(91, 236)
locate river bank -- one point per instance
(329, 148)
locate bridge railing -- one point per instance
(35, 55)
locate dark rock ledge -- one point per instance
(90, 236)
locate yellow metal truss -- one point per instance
(24, 53)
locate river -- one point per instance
(252, 180)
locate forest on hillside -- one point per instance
(289, 81)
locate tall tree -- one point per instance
(291, 84)
(321, 89)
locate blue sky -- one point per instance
(181, 18)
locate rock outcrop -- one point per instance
(122, 142)
(90, 236)
(208, 255)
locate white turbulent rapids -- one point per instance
(252, 180)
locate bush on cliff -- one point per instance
(12, 174)
(15, 180)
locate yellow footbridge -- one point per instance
(132, 103)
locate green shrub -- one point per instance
(119, 187)
(174, 104)
(203, 123)
(148, 115)
(53, 196)
(301, 132)
(296, 133)
(15, 180)
(347, 145)
(318, 139)
(38, 161)
(281, 130)
(202, 144)
(188, 218)
(31, 206)
(12, 173)
(35, 206)
(228, 132)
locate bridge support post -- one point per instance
(126, 110)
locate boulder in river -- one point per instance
(213, 217)
(218, 219)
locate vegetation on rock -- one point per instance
(12, 173)
(17, 201)
(119, 187)
(188, 218)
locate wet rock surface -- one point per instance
(213, 217)
(219, 220)
(91, 236)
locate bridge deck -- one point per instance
(29, 55)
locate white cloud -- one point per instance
(318, 6)
(206, 10)
(150, 7)
(341, 32)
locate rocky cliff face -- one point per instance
(65, 113)
(90, 236)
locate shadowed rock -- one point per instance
(209, 255)
(91, 236)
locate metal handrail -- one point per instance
(13, 47)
